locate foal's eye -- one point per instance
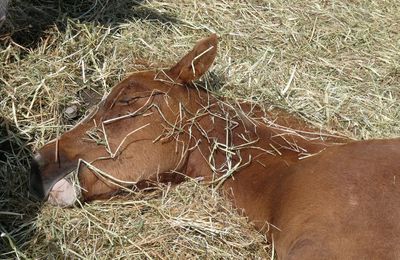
(127, 100)
(129, 97)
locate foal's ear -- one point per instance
(196, 62)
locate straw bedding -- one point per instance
(333, 63)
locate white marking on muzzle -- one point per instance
(65, 192)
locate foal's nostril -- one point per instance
(36, 183)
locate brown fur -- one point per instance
(316, 196)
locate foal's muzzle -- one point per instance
(36, 185)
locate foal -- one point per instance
(315, 195)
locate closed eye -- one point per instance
(130, 99)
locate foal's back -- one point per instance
(341, 204)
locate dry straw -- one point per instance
(332, 63)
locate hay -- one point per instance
(188, 221)
(333, 63)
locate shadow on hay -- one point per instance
(28, 20)
(17, 211)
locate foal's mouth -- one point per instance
(64, 191)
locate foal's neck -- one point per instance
(246, 150)
(229, 136)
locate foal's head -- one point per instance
(133, 135)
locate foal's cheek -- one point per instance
(93, 188)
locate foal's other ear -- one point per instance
(196, 62)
